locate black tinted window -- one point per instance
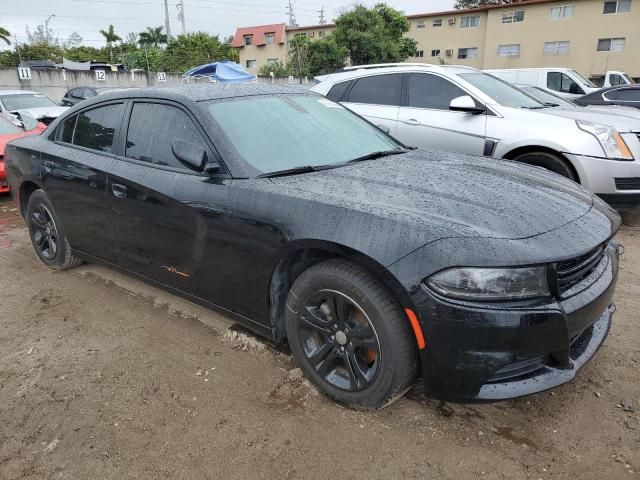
(562, 83)
(628, 94)
(377, 90)
(431, 91)
(65, 130)
(337, 91)
(153, 127)
(96, 128)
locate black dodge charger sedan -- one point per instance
(376, 263)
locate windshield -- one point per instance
(274, 133)
(583, 80)
(502, 92)
(627, 78)
(547, 97)
(8, 128)
(23, 100)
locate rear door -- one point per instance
(74, 178)
(164, 212)
(377, 98)
(425, 120)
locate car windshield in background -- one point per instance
(502, 92)
(584, 81)
(24, 101)
(546, 97)
(8, 128)
(275, 133)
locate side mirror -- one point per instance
(384, 128)
(465, 103)
(192, 155)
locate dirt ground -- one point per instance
(105, 377)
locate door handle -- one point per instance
(118, 190)
(48, 165)
(413, 121)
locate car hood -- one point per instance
(440, 194)
(4, 139)
(45, 112)
(623, 120)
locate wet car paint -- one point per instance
(236, 243)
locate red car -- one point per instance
(8, 132)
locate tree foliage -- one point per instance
(4, 35)
(481, 3)
(152, 37)
(374, 35)
(110, 37)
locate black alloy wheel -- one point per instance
(44, 232)
(339, 340)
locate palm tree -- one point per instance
(111, 37)
(4, 35)
(152, 37)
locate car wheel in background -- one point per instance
(47, 235)
(550, 162)
(350, 336)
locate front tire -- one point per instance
(47, 235)
(350, 336)
(549, 161)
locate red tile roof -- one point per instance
(258, 34)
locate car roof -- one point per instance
(18, 92)
(358, 71)
(207, 91)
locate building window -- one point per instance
(321, 34)
(514, 16)
(563, 11)
(248, 39)
(437, 23)
(269, 38)
(470, 21)
(419, 54)
(251, 64)
(435, 53)
(617, 6)
(272, 62)
(467, 53)
(512, 50)
(611, 45)
(556, 48)
(420, 24)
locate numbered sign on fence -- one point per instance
(162, 77)
(24, 73)
(101, 75)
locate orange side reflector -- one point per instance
(416, 328)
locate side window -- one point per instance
(338, 90)
(87, 93)
(65, 130)
(432, 91)
(377, 90)
(629, 94)
(561, 82)
(611, 94)
(615, 79)
(152, 128)
(96, 128)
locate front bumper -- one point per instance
(494, 352)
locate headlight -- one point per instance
(491, 283)
(611, 141)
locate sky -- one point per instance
(221, 17)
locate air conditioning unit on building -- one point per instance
(448, 52)
(452, 21)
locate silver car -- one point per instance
(462, 109)
(37, 105)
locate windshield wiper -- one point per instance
(550, 104)
(374, 155)
(290, 171)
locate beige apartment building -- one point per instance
(590, 36)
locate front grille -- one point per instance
(632, 183)
(572, 272)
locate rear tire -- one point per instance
(47, 235)
(549, 161)
(350, 336)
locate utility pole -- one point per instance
(292, 15)
(322, 20)
(182, 17)
(167, 25)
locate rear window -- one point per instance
(95, 129)
(377, 90)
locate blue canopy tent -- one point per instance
(225, 71)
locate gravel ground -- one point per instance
(103, 376)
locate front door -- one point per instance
(427, 122)
(163, 212)
(73, 174)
